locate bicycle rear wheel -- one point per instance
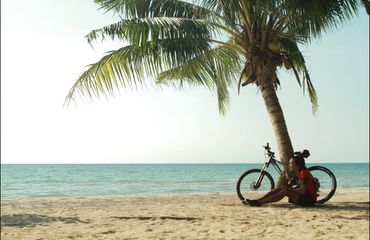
(246, 186)
(325, 181)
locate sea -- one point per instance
(65, 180)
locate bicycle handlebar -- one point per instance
(267, 147)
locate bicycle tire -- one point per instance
(266, 174)
(333, 182)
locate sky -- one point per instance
(43, 51)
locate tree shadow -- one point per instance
(346, 206)
(32, 220)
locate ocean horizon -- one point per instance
(67, 180)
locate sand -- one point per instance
(190, 216)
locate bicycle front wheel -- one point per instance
(325, 181)
(247, 184)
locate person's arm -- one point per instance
(289, 182)
(302, 187)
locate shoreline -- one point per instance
(184, 216)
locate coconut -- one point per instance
(274, 47)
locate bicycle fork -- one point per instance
(257, 184)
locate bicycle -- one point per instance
(255, 180)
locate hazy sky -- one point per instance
(43, 51)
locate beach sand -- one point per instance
(190, 216)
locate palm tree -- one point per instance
(213, 43)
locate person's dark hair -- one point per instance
(299, 160)
(305, 153)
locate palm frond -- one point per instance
(216, 69)
(141, 30)
(294, 56)
(310, 19)
(228, 9)
(130, 65)
(157, 8)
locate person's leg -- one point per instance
(280, 195)
(272, 192)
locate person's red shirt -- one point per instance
(305, 177)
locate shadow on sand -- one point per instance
(349, 206)
(361, 207)
(31, 220)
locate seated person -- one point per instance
(303, 193)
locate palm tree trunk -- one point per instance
(277, 119)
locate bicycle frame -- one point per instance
(270, 160)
